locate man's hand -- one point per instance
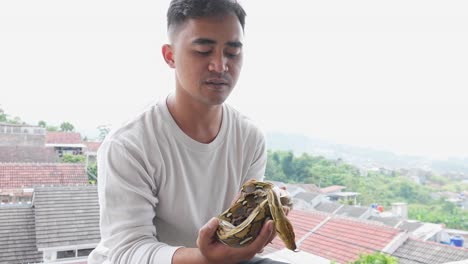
(213, 251)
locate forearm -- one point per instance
(189, 256)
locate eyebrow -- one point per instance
(205, 41)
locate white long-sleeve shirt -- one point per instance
(157, 186)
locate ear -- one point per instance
(168, 55)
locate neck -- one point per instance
(199, 121)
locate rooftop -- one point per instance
(63, 138)
(417, 251)
(17, 235)
(337, 238)
(27, 175)
(66, 216)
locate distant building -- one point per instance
(65, 143)
(60, 226)
(18, 179)
(21, 135)
(335, 193)
(91, 150)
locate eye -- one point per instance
(232, 53)
(203, 53)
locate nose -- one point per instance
(218, 64)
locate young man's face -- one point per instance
(207, 57)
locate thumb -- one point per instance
(206, 232)
(264, 236)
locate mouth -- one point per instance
(217, 83)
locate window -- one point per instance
(66, 254)
(84, 252)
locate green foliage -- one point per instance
(69, 158)
(42, 123)
(375, 258)
(66, 127)
(103, 131)
(273, 170)
(92, 172)
(374, 187)
(4, 117)
(442, 212)
(52, 128)
(284, 166)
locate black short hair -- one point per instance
(181, 10)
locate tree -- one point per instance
(16, 120)
(103, 131)
(287, 164)
(69, 158)
(52, 128)
(3, 116)
(273, 168)
(375, 258)
(42, 123)
(67, 127)
(92, 172)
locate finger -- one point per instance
(206, 233)
(264, 236)
(283, 187)
(272, 236)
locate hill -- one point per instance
(364, 157)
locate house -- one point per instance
(60, 226)
(338, 238)
(354, 211)
(18, 179)
(304, 200)
(391, 221)
(65, 143)
(335, 193)
(24, 143)
(28, 154)
(18, 235)
(307, 187)
(332, 189)
(21, 135)
(414, 251)
(328, 207)
(67, 222)
(91, 150)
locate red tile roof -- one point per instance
(63, 138)
(333, 188)
(338, 238)
(27, 175)
(302, 223)
(92, 146)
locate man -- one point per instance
(166, 173)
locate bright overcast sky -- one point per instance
(383, 74)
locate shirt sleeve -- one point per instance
(127, 208)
